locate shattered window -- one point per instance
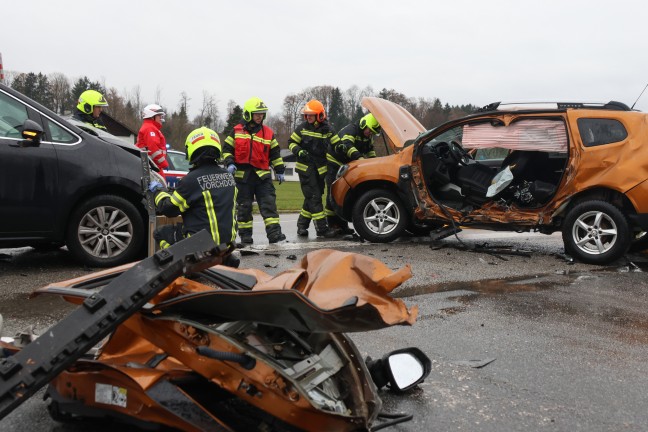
(597, 131)
(535, 135)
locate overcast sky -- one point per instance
(457, 50)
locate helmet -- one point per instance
(369, 121)
(252, 106)
(90, 99)
(315, 107)
(202, 137)
(152, 110)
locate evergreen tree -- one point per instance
(336, 112)
(233, 119)
(43, 92)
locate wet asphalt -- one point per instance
(520, 337)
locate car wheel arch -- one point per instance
(612, 196)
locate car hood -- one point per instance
(397, 123)
(105, 136)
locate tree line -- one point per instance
(60, 94)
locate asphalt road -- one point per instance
(530, 341)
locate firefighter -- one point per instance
(248, 152)
(205, 197)
(150, 137)
(355, 141)
(89, 108)
(309, 143)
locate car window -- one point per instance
(58, 134)
(527, 134)
(496, 153)
(178, 161)
(598, 131)
(12, 116)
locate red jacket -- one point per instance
(253, 149)
(151, 138)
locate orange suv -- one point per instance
(578, 168)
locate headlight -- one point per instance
(343, 169)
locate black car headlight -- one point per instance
(343, 169)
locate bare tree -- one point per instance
(158, 95)
(208, 115)
(292, 108)
(60, 90)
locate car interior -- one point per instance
(465, 180)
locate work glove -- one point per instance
(231, 168)
(155, 186)
(303, 154)
(281, 178)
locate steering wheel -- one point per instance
(458, 154)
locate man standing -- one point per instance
(150, 136)
(355, 141)
(248, 152)
(89, 108)
(205, 197)
(309, 143)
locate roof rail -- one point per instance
(524, 106)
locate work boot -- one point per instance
(247, 239)
(276, 238)
(330, 233)
(302, 232)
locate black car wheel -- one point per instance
(596, 232)
(106, 231)
(379, 216)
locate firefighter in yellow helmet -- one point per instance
(309, 143)
(355, 142)
(89, 108)
(205, 197)
(248, 153)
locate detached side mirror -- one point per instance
(401, 369)
(31, 133)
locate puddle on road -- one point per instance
(492, 286)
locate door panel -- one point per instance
(28, 176)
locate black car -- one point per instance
(62, 183)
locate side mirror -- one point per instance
(401, 369)
(31, 133)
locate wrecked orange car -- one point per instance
(577, 168)
(196, 347)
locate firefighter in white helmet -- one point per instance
(150, 136)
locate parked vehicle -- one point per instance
(178, 167)
(64, 182)
(578, 168)
(222, 349)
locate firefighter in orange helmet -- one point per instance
(309, 142)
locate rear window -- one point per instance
(597, 131)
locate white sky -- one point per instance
(460, 51)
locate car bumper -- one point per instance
(340, 191)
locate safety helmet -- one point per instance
(152, 110)
(369, 121)
(252, 106)
(202, 137)
(90, 99)
(314, 107)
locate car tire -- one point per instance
(379, 216)
(596, 232)
(105, 231)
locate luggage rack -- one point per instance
(24, 373)
(535, 106)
